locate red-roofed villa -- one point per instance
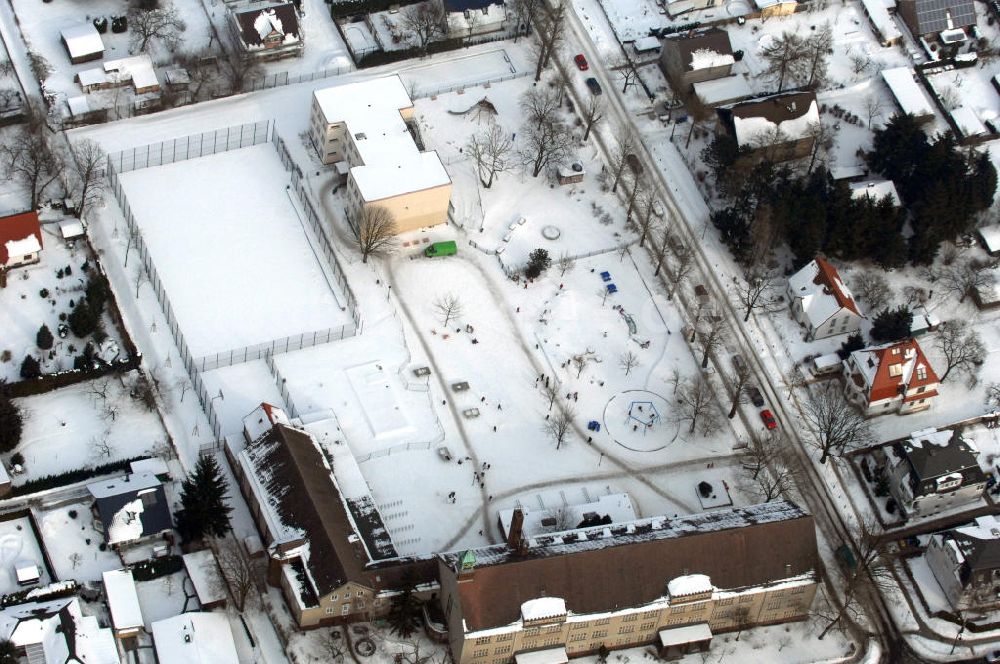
(892, 378)
(20, 240)
(821, 302)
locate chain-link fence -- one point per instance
(192, 147)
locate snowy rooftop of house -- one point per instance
(822, 292)
(646, 44)
(46, 624)
(392, 163)
(991, 237)
(847, 172)
(879, 14)
(968, 122)
(977, 546)
(887, 368)
(119, 586)
(490, 12)
(875, 191)
(689, 584)
(260, 421)
(791, 114)
(69, 229)
(907, 92)
(78, 105)
(195, 638)
(205, 576)
(138, 69)
(932, 453)
(257, 22)
(616, 508)
(543, 607)
(723, 90)
(706, 58)
(131, 507)
(124, 484)
(23, 247)
(92, 76)
(82, 40)
(153, 465)
(702, 49)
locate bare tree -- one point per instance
(237, 571)
(376, 232)
(698, 112)
(624, 147)
(40, 67)
(565, 263)
(162, 23)
(873, 288)
(640, 186)
(683, 265)
(823, 140)
(816, 50)
(659, 245)
(761, 451)
(962, 349)
(551, 393)
(100, 446)
(965, 278)
(592, 114)
(773, 482)
(628, 361)
(31, 160)
(833, 426)
(783, 55)
(580, 362)
(240, 72)
(860, 63)
(540, 105)
(140, 279)
(448, 308)
(425, 22)
(550, 31)
(754, 291)
(710, 337)
(90, 160)
(739, 378)
(10, 100)
(740, 615)
(647, 204)
(559, 425)
(545, 145)
(697, 406)
(626, 71)
(523, 12)
(332, 644)
(874, 107)
(491, 150)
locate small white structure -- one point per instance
(206, 577)
(727, 90)
(875, 191)
(27, 573)
(820, 301)
(968, 123)
(71, 229)
(123, 602)
(907, 93)
(83, 43)
(138, 70)
(195, 638)
(261, 420)
(20, 240)
(990, 238)
(882, 23)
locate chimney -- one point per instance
(515, 536)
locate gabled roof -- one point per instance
(979, 544)
(465, 5)
(822, 291)
(20, 234)
(934, 453)
(258, 22)
(790, 112)
(62, 631)
(195, 638)
(606, 568)
(702, 49)
(938, 15)
(126, 515)
(891, 369)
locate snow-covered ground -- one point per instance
(19, 547)
(73, 544)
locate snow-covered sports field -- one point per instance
(232, 252)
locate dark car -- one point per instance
(581, 62)
(594, 86)
(768, 418)
(756, 398)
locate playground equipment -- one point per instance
(447, 248)
(644, 414)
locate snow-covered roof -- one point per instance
(45, 624)
(689, 584)
(827, 361)
(907, 92)
(258, 23)
(138, 69)
(203, 570)
(880, 18)
(78, 105)
(260, 421)
(543, 607)
(123, 484)
(119, 587)
(968, 122)
(847, 172)
(821, 292)
(617, 508)
(92, 76)
(392, 164)
(646, 44)
(883, 371)
(706, 58)
(82, 40)
(153, 465)
(875, 191)
(991, 237)
(676, 636)
(195, 638)
(23, 247)
(791, 114)
(555, 655)
(69, 229)
(723, 90)
(131, 507)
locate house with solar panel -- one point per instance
(944, 19)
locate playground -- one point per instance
(635, 419)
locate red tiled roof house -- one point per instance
(20, 240)
(821, 302)
(892, 378)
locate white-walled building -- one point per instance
(820, 301)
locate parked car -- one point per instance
(756, 398)
(739, 363)
(595, 87)
(768, 418)
(581, 62)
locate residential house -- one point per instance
(123, 603)
(131, 508)
(892, 378)
(57, 632)
(83, 43)
(137, 70)
(675, 583)
(875, 191)
(924, 17)
(323, 533)
(467, 18)
(195, 638)
(365, 125)
(266, 31)
(700, 55)
(934, 471)
(778, 127)
(768, 8)
(820, 301)
(723, 91)
(882, 24)
(966, 563)
(20, 240)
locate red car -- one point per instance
(581, 62)
(768, 418)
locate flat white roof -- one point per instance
(70, 229)
(92, 76)
(78, 105)
(722, 90)
(907, 92)
(82, 40)
(968, 122)
(880, 18)
(154, 465)
(646, 44)
(205, 576)
(845, 172)
(138, 69)
(991, 237)
(195, 638)
(686, 634)
(119, 586)
(876, 190)
(547, 656)
(123, 484)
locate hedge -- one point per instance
(45, 593)
(154, 568)
(353, 7)
(71, 476)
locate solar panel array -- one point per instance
(933, 15)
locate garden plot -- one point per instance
(164, 597)
(74, 545)
(18, 547)
(232, 252)
(85, 425)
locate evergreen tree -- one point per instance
(97, 293)
(44, 338)
(854, 342)
(30, 368)
(11, 424)
(82, 320)
(892, 324)
(204, 508)
(8, 652)
(404, 614)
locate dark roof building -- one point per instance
(779, 124)
(966, 563)
(131, 508)
(699, 55)
(267, 31)
(935, 470)
(934, 16)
